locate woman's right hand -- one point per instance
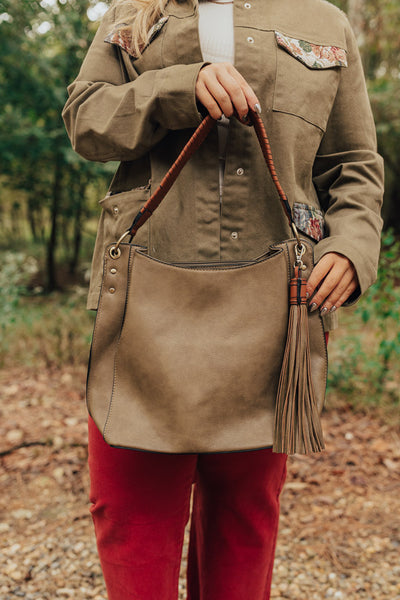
(222, 90)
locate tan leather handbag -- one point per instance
(214, 357)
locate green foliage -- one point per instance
(35, 329)
(42, 45)
(47, 331)
(16, 271)
(365, 362)
(377, 26)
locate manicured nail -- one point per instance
(257, 108)
(313, 307)
(307, 295)
(333, 309)
(324, 310)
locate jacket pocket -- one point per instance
(314, 56)
(118, 212)
(309, 220)
(307, 79)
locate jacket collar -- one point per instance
(181, 8)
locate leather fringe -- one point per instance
(297, 423)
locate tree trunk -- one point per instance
(54, 210)
(16, 219)
(356, 14)
(391, 213)
(77, 229)
(31, 214)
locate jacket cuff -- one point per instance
(178, 107)
(365, 269)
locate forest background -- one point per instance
(338, 538)
(49, 197)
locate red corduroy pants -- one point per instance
(140, 507)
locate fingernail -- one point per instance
(257, 108)
(245, 118)
(313, 307)
(307, 295)
(333, 309)
(324, 310)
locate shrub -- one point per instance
(16, 271)
(39, 330)
(365, 365)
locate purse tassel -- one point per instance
(297, 423)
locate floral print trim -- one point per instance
(309, 220)
(121, 36)
(313, 56)
(157, 28)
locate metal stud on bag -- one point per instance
(115, 251)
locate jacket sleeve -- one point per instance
(348, 175)
(109, 117)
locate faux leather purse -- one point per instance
(208, 357)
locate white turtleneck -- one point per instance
(216, 31)
(217, 45)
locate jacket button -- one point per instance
(247, 5)
(240, 171)
(234, 235)
(115, 210)
(113, 270)
(250, 40)
(112, 290)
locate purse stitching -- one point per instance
(215, 267)
(94, 335)
(111, 403)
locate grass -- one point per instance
(40, 330)
(48, 331)
(364, 365)
(358, 377)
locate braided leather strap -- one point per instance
(266, 150)
(190, 148)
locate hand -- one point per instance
(222, 90)
(331, 283)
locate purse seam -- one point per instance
(111, 402)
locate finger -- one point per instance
(333, 301)
(220, 94)
(332, 280)
(318, 274)
(207, 100)
(346, 295)
(248, 92)
(245, 120)
(235, 93)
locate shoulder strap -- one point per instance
(190, 148)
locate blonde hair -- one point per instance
(146, 13)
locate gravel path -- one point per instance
(339, 531)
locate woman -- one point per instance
(152, 72)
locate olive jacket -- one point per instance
(302, 61)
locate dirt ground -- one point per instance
(339, 530)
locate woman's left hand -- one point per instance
(331, 283)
